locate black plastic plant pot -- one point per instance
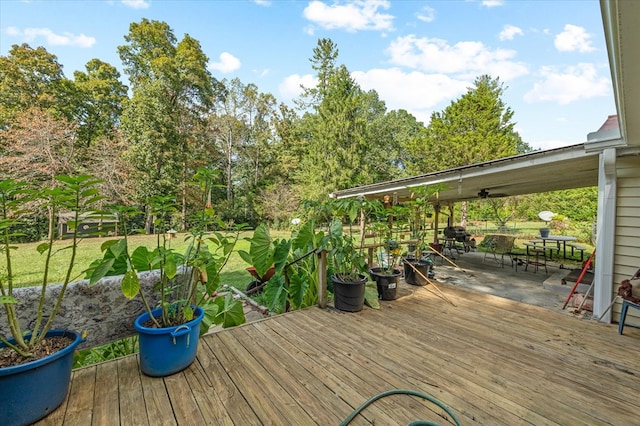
(386, 283)
(348, 295)
(410, 274)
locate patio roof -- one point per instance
(540, 171)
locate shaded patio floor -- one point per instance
(539, 288)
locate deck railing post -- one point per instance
(322, 279)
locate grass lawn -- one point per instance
(28, 264)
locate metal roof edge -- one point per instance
(544, 156)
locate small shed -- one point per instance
(91, 225)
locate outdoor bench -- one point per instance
(579, 248)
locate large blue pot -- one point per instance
(164, 351)
(30, 391)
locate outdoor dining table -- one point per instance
(558, 239)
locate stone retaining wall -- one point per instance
(101, 310)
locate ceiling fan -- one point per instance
(484, 194)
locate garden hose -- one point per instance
(404, 392)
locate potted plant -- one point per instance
(386, 274)
(547, 217)
(186, 292)
(36, 360)
(420, 210)
(349, 265)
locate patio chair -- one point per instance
(499, 245)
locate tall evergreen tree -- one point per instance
(477, 127)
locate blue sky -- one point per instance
(418, 55)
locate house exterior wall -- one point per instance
(627, 232)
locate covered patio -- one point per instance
(491, 360)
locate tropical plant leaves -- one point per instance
(230, 311)
(276, 293)
(261, 249)
(130, 284)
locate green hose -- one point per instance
(404, 392)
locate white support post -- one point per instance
(605, 238)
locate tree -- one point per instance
(337, 139)
(100, 99)
(31, 78)
(38, 147)
(172, 90)
(242, 127)
(477, 127)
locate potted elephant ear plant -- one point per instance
(185, 301)
(349, 266)
(387, 273)
(35, 359)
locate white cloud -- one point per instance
(573, 84)
(573, 38)
(427, 14)
(492, 3)
(262, 2)
(416, 92)
(509, 32)
(467, 59)
(354, 16)
(262, 73)
(137, 4)
(228, 63)
(29, 35)
(290, 88)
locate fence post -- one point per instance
(322, 279)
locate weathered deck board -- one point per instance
(492, 360)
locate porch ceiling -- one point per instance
(540, 171)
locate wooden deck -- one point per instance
(492, 360)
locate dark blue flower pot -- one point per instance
(164, 351)
(30, 391)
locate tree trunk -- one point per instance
(463, 214)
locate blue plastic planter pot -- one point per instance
(30, 391)
(164, 351)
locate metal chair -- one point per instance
(623, 314)
(539, 254)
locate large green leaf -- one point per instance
(245, 256)
(304, 238)
(276, 293)
(371, 295)
(298, 286)
(8, 300)
(142, 258)
(118, 248)
(281, 255)
(101, 270)
(130, 284)
(210, 312)
(261, 249)
(170, 266)
(230, 311)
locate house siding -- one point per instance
(627, 232)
